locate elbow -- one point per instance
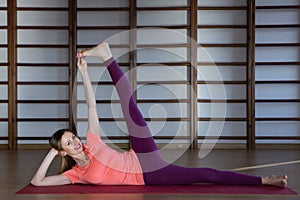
(36, 183)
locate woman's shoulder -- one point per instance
(93, 142)
(91, 137)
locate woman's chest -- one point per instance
(96, 172)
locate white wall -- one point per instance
(3, 75)
(35, 74)
(154, 69)
(277, 72)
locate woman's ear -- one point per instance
(62, 153)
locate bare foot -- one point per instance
(279, 181)
(101, 51)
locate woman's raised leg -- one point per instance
(140, 136)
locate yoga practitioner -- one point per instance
(96, 163)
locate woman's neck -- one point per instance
(81, 159)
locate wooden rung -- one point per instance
(161, 82)
(42, 46)
(278, 119)
(102, 27)
(277, 137)
(222, 63)
(98, 9)
(43, 83)
(222, 45)
(277, 26)
(221, 119)
(42, 64)
(162, 45)
(277, 100)
(162, 8)
(222, 26)
(42, 101)
(43, 27)
(223, 82)
(42, 9)
(277, 82)
(277, 44)
(222, 8)
(222, 101)
(278, 7)
(222, 137)
(43, 119)
(277, 63)
(167, 26)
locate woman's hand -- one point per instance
(62, 153)
(58, 153)
(79, 54)
(81, 63)
(40, 178)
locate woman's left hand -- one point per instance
(81, 63)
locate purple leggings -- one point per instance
(156, 171)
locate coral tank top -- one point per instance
(107, 166)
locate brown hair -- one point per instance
(67, 162)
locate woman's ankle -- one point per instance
(279, 181)
(101, 51)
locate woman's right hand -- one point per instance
(58, 153)
(40, 178)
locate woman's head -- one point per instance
(55, 140)
(64, 140)
(67, 141)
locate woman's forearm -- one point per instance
(88, 89)
(42, 170)
(93, 121)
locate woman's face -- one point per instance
(71, 144)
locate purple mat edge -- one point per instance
(190, 189)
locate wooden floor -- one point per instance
(17, 168)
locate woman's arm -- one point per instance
(93, 120)
(40, 178)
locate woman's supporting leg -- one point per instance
(177, 175)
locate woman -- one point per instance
(96, 163)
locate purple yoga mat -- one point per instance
(190, 189)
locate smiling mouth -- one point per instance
(78, 147)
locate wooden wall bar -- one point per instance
(193, 74)
(251, 75)
(72, 64)
(12, 75)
